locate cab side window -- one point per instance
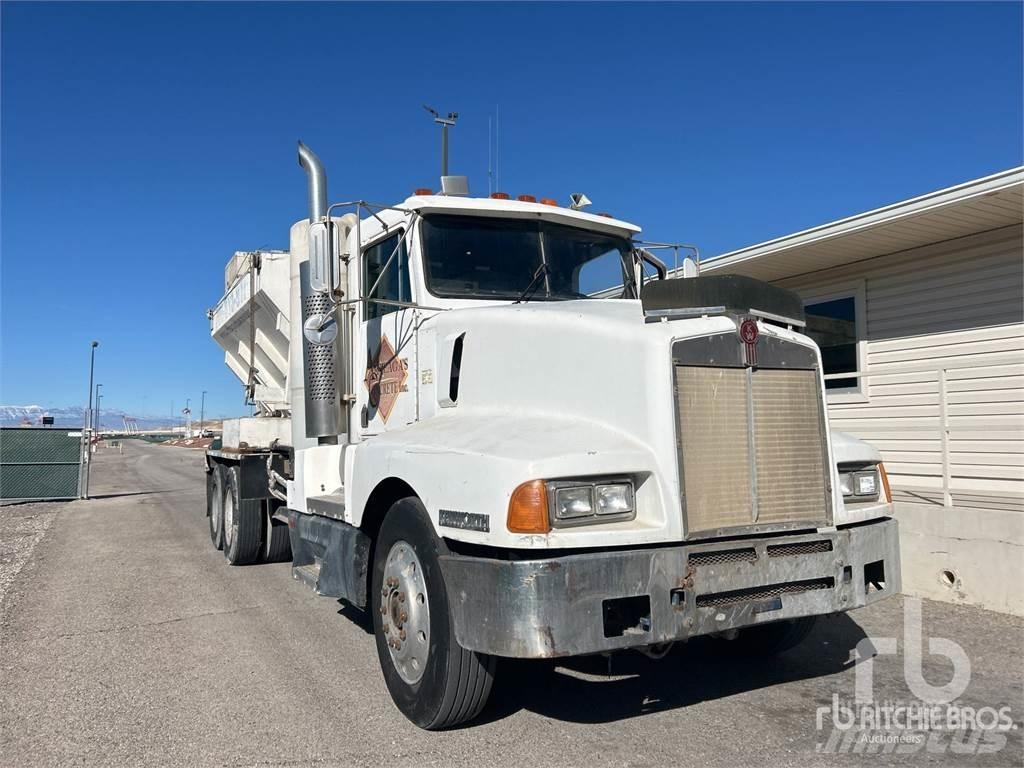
(394, 279)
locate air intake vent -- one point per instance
(760, 593)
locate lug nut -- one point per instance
(404, 617)
(401, 597)
(398, 645)
(402, 634)
(386, 627)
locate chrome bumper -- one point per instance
(603, 601)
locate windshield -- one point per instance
(495, 258)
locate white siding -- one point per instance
(956, 305)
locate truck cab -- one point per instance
(470, 439)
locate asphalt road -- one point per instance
(125, 639)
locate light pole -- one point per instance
(96, 413)
(188, 417)
(83, 468)
(97, 429)
(202, 413)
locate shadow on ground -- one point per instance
(581, 690)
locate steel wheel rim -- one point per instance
(229, 517)
(405, 612)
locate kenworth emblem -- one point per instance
(748, 335)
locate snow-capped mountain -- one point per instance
(74, 416)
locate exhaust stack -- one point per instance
(325, 418)
(317, 182)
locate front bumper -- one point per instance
(603, 601)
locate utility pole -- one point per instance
(188, 417)
(202, 413)
(445, 123)
(83, 467)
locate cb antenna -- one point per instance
(445, 123)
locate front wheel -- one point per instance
(432, 680)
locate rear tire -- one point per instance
(216, 482)
(432, 680)
(277, 546)
(243, 522)
(771, 639)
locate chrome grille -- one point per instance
(787, 433)
(751, 439)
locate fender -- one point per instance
(496, 452)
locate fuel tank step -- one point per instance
(329, 556)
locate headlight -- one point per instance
(860, 484)
(573, 502)
(579, 502)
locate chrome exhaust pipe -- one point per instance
(317, 177)
(322, 360)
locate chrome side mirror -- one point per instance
(323, 275)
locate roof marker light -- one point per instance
(499, 196)
(527, 199)
(548, 201)
(423, 191)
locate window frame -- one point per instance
(855, 289)
(400, 231)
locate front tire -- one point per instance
(432, 680)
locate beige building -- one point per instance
(919, 310)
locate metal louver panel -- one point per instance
(787, 436)
(712, 404)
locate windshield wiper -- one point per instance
(542, 271)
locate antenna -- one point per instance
(445, 123)
(490, 169)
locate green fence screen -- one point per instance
(38, 463)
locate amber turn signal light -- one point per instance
(528, 508)
(885, 482)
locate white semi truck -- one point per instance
(456, 436)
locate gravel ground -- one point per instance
(22, 526)
(127, 640)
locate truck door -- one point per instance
(387, 396)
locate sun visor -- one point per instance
(718, 293)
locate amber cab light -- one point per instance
(499, 195)
(528, 508)
(424, 191)
(548, 201)
(885, 482)
(526, 199)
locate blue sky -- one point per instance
(143, 143)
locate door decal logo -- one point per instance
(386, 374)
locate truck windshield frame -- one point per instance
(496, 258)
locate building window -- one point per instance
(394, 285)
(834, 323)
